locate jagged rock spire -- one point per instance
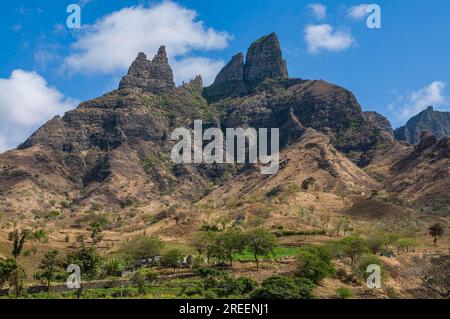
(265, 60)
(195, 84)
(150, 76)
(233, 71)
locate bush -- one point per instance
(113, 268)
(247, 284)
(314, 263)
(276, 288)
(305, 288)
(344, 292)
(365, 261)
(279, 287)
(172, 258)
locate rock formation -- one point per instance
(149, 76)
(438, 123)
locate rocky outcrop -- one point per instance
(149, 76)
(380, 122)
(233, 71)
(194, 85)
(264, 60)
(438, 123)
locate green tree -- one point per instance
(6, 268)
(351, 247)
(435, 231)
(50, 266)
(314, 263)
(17, 281)
(96, 226)
(39, 236)
(173, 258)
(89, 260)
(142, 278)
(261, 242)
(18, 238)
(142, 247)
(230, 243)
(205, 243)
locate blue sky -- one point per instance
(396, 70)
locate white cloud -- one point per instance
(26, 102)
(406, 106)
(323, 37)
(111, 44)
(358, 12)
(188, 68)
(319, 11)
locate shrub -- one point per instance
(314, 263)
(279, 287)
(305, 288)
(113, 267)
(365, 261)
(344, 292)
(247, 284)
(172, 258)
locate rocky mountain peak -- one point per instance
(436, 122)
(264, 60)
(233, 71)
(149, 76)
(194, 85)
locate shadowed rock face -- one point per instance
(149, 76)
(438, 123)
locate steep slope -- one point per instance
(436, 122)
(423, 175)
(114, 149)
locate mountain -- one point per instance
(438, 123)
(114, 151)
(423, 174)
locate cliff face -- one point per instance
(436, 122)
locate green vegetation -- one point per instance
(141, 247)
(314, 263)
(344, 293)
(279, 287)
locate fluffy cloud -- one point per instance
(111, 44)
(188, 68)
(358, 12)
(323, 37)
(26, 102)
(406, 106)
(319, 11)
